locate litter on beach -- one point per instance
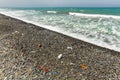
(83, 66)
(59, 56)
(43, 68)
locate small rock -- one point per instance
(16, 32)
(59, 56)
(69, 48)
(22, 34)
(55, 73)
(9, 19)
(32, 52)
(61, 62)
(5, 78)
(71, 63)
(39, 45)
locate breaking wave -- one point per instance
(93, 15)
(52, 12)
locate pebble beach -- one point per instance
(30, 52)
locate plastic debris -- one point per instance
(43, 68)
(59, 56)
(69, 48)
(83, 66)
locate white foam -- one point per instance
(74, 35)
(114, 30)
(52, 12)
(93, 15)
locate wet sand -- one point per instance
(29, 52)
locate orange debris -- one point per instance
(83, 66)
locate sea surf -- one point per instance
(99, 26)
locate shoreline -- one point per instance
(66, 34)
(25, 46)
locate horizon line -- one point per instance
(61, 7)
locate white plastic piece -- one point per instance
(59, 56)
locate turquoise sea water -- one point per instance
(99, 26)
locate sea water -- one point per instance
(99, 26)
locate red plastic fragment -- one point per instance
(43, 68)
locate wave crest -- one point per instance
(52, 12)
(94, 15)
